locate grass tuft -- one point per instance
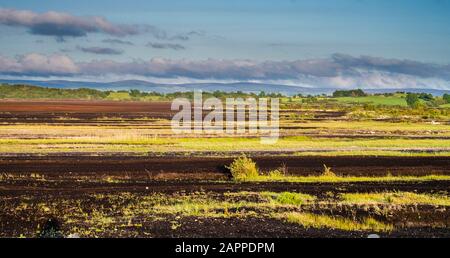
(288, 198)
(347, 179)
(309, 220)
(397, 198)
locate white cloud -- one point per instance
(37, 64)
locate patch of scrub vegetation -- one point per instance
(233, 204)
(197, 204)
(199, 207)
(398, 198)
(202, 204)
(288, 198)
(309, 220)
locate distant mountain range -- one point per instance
(227, 87)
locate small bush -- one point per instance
(243, 168)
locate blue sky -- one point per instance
(339, 43)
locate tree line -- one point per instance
(19, 91)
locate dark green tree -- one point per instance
(446, 97)
(349, 93)
(412, 100)
(135, 93)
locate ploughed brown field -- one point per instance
(81, 106)
(103, 169)
(214, 167)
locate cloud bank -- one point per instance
(101, 50)
(118, 41)
(62, 25)
(180, 36)
(39, 65)
(165, 46)
(339, 71)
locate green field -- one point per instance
(376, 100)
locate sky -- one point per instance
(310, 43)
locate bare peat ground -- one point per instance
(186, 167)
(225, 227)
(73, 184)
(79, 111)
(76, 208)
(72, 191)
(81, 106)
